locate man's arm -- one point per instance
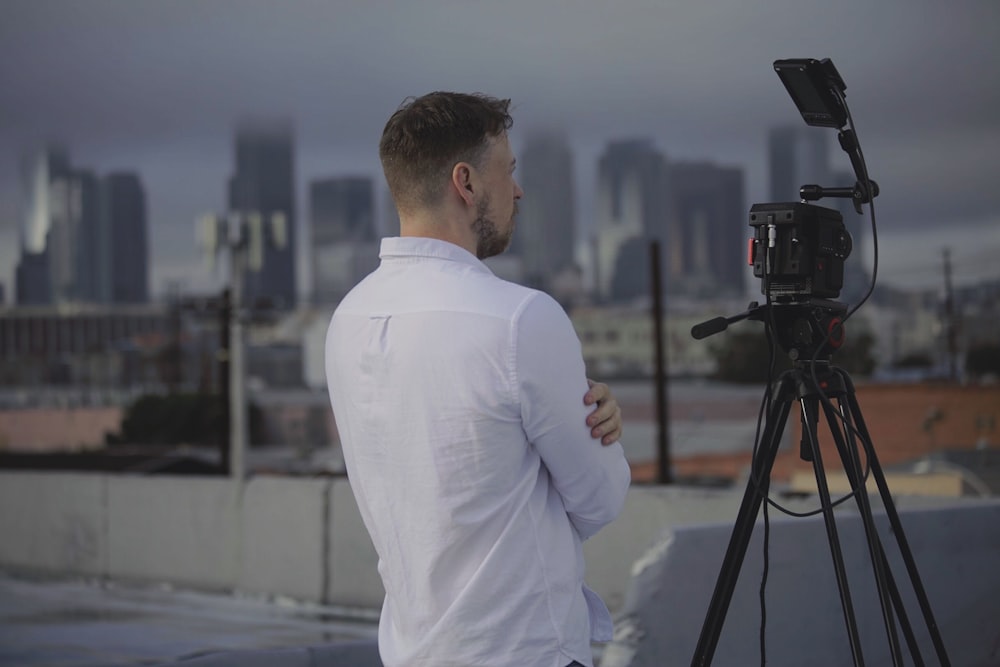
(592, 478)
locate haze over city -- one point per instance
(159, 87)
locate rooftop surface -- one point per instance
(81, 623)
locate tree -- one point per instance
(983, 359)
(915, 360)
(174, 419)
(856, 356)
(744, 357)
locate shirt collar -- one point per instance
(421, 246)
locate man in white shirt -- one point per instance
(478, 455)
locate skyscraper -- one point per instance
(39, 171)
(61, 236)
(123, 210)
(546, 223)
(798, 155)
(83, 238)
(706, 250)
(90, 266)
(344, 250)
(633, 207)
(264, 184)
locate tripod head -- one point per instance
(804, 330)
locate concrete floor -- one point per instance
(72, 622)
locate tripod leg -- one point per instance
(888, 593)
(831, 533)
(756, 490)
(894, 522)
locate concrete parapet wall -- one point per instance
(354, 579)
(304, 538)
(295, 537)
(286, 534)
(184, 530)
(54, 522)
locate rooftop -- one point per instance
(90, 623)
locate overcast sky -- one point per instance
(157, 86)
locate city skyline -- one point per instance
(160, 87)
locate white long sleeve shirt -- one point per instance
(458, 399)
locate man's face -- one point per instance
(497, 206)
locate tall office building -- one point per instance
(31, 279)
(123, 209)
(344, 247)
(264, 184)
(798, 155)
(389, 216)
(61, 234)
(83, 238)
(706, 249)
(546, 223)
(39, 171)
(634, 206)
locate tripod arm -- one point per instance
(718, 324)
(859, 194)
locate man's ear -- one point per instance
(463, 178)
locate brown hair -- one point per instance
(427, 135)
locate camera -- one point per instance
(798, 250)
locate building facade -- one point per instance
(264, 184)
(705, 254)
(124, 211)
(83, 237)
(546, 221)
(633, 207)
(344, 240)
(797, 156)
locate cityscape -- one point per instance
(82, 312)
(142, 145)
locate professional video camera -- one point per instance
(798, 249)
(798, 252)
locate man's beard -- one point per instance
(490, 241)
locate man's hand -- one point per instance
(605, 421)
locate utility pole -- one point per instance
(237, 371)
(950, 326)
(225, 315)
(664, 475)
(243, 235)
(174, 357)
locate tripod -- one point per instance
(815, 384)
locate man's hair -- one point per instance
(428, 135)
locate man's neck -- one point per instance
(437, 225)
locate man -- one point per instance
(463, 411)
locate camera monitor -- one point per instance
(813, 86)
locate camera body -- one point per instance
(798, 251)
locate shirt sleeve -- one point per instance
(592, 478)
